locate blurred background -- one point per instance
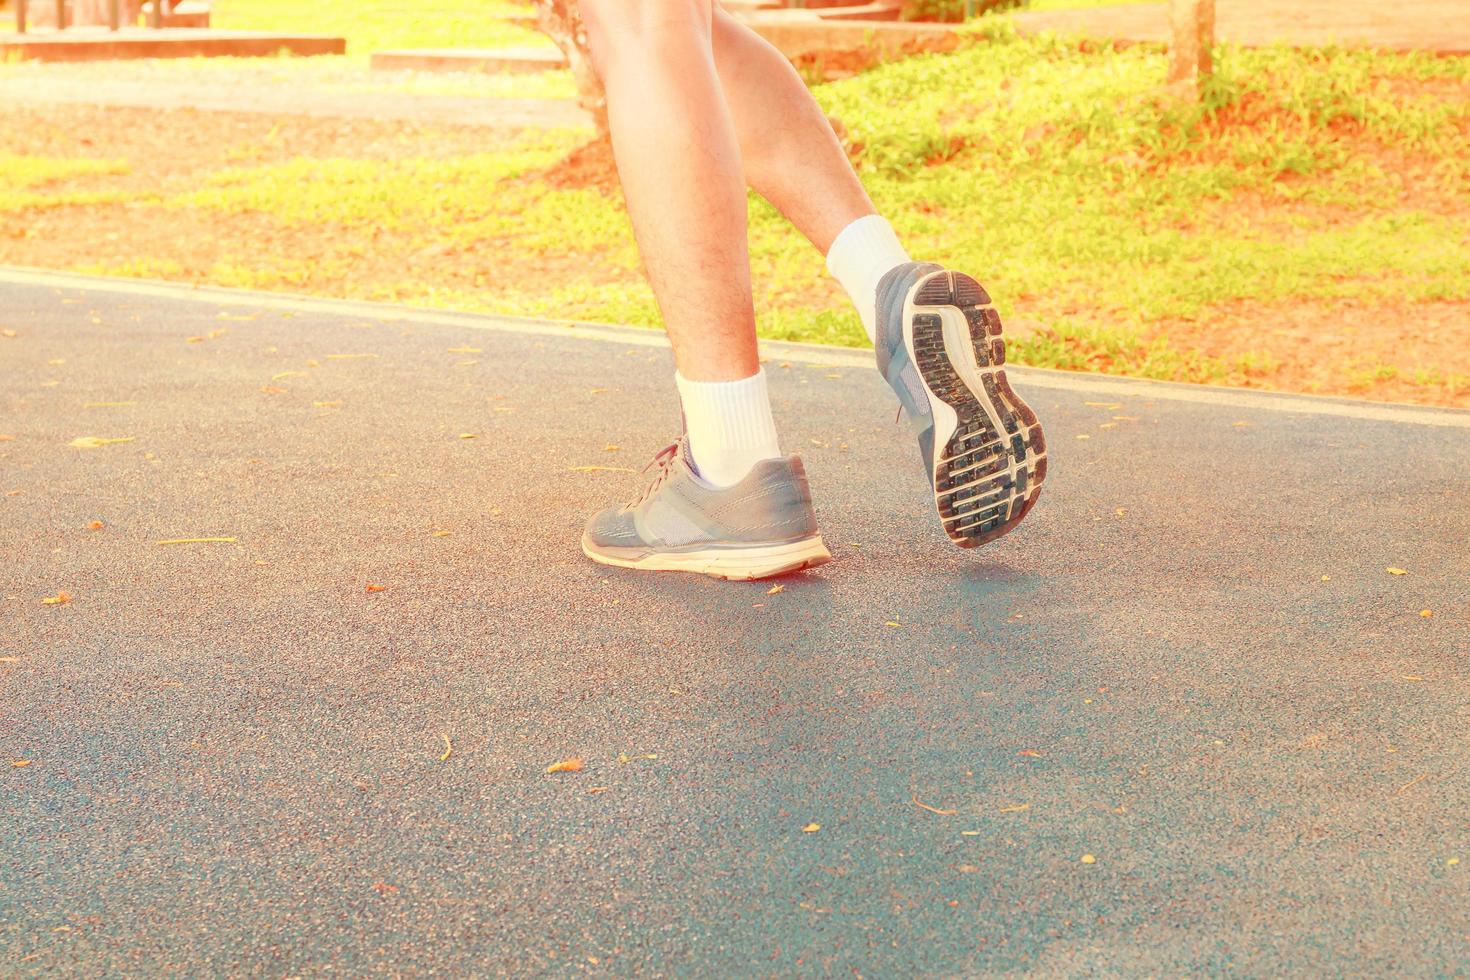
(1295, 216)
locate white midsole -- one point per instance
(757, 561)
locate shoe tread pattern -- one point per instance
(988, 476)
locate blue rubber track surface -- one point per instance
(1181, 721)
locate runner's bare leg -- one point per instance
(791, 155)
(678, 158)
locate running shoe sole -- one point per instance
(989, 451)
(739, 562)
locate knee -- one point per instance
(640, 31)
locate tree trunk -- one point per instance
(1194, 34)
(562, 22)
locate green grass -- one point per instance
(24, 179)
(1090, 205)
(379, 25)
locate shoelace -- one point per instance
(664, 460)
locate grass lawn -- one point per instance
(380, 25)
(1307, 228)
(377, 25)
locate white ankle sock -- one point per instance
(730, 426)
(861, 254)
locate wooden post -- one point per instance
(20, 16)
(1194, 34)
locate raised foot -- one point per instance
(989, 468)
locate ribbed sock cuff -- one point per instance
(860, 256)
(730, 426)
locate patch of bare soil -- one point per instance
(1387, 352)
(590, 165)
(173, 152)
(1415, 352)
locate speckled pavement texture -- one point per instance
(1182, 721)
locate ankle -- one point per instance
(729, 426)
(860, 256)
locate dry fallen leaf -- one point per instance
(597, 789)
(1411, 783)
(775, 589)
(1396, 571)
(19, 763)
(924, 806)
(11, 334)
(811, 828)
(376, 588)
(466, 350)
(448, 748)
(468, 435)
(93, 442)
(1029, 753)
(1426, 613)
(1088, 859)
(96, 525)
(894, 624)
(5, 437)
(59, 599)
(573, 764)
(1018, 808)
(273, 389)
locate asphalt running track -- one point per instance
(1182, 721)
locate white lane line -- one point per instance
(816, 354)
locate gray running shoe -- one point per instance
(939, 347)
(762, 526)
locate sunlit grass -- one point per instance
(1055, 171)
(18, 171)
(379, 25)
(24, 179)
